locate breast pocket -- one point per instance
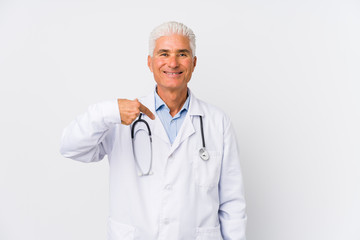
(120, 231)
(207, 173)
(208, 233)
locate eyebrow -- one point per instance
(184, 50)
(179, 51)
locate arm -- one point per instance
(82, 138)
(232, 214)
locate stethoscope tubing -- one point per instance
(202, 132)
(149, 172)
(202, 152)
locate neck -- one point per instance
(173, 99)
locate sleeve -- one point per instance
(82, 139)
(232, 215)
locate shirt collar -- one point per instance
(159, 102)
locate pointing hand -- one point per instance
(131, 109)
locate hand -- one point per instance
(130, 110)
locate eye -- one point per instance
(164, 54)
(183, 55)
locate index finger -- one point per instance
(147, 112)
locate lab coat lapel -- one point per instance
(187, 129)
(155, 125)
(159, 129)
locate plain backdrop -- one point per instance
(287, 73)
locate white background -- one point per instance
(287, 72)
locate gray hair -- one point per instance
(169, 28)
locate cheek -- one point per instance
(190, 66)
(157, 65)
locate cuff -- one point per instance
(110, 111)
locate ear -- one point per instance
(149, 61)
(194, 60)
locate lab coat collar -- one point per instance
(194, 107)
(187, 128)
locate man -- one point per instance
(181, 192)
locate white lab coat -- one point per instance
(186, 197)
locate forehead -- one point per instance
(172, 42)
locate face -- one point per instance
(172, 63)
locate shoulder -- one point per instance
(207, 108)
(211, 107)
(211, 113)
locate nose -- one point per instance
(173, 62)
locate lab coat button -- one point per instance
(168, 187)
(166, 221)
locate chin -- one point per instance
(173, 87)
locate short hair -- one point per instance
(169, 28)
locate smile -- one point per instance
(173, 73)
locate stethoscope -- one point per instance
(203, 153)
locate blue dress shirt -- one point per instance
(171, 124)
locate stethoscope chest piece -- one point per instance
(204, 154)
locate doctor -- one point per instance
(183, 196)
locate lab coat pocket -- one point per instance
(208, 233)
(207, 173)
(120, 231)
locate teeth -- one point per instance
(173, 73)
